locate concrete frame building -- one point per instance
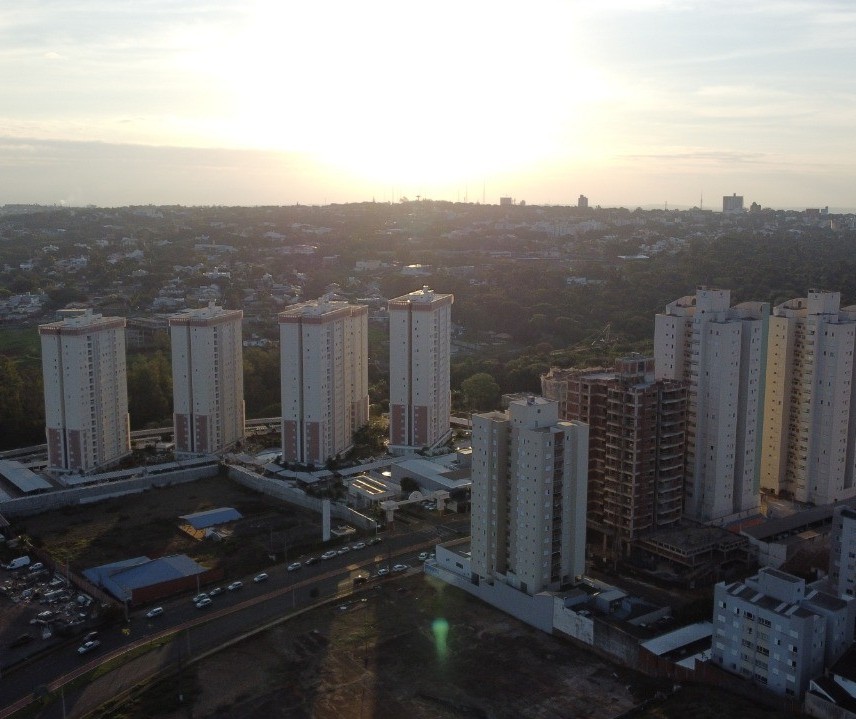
(732, 204)
(842, 552)
(207, 380)
(809, 438)
(528, 497)
(324, 375)
(778, 632)
(636, 445)
(420, 400)
(86, 393)
(720, 352)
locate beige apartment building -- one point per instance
(324, 376)
(207, 380)
(86, 395)
(808, 438)
(420, 400)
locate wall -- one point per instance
(24, 506)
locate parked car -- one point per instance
(154, 612)
(344, 550)
(375, 540)
(88, 646)
(37, 567)
(328, 555)
(383, 571)
(294, 566)
(359, 545)
(400, 567)
(21, 640)
(199, 597)
(234, 586)
(262, 577)
(214, 592)
(204, 603)
(310, 560)
(43, 617)
(423, 556)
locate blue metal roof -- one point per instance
(121, 578)
(211, 517)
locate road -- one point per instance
(232, 615)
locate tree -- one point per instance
(481, 391)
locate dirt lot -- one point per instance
(147, 523)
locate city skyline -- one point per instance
(630, 103)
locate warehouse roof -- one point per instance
(212, 517)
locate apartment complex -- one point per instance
(324, 374)
(528, 497)
(720, 352)
(86, 395)
(842, 552)
(809, 436)
(207, 379)
(420, 330)
(636, 445)
(778, 632)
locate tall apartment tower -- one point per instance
(207, 380)
(720, 352)
(420, 402)
(86, 392)
(636, 445)
(324, 374)
(809, 436)
(528, 496)
(733, 204)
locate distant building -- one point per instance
(420, 331)
(778, 632)
(720, 353)
(86, 393)
(207, 380)
(842, 551)
(809, 433)
(582, 202)
(636, 445)
(733, 204)
(506, 201)
(528, 522)
(324, 378)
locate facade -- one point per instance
(636, 445)
(733, 204)
(778, 632)
(720, 353)
(324, 375)
(420, 401)
(86, 393)
(207, 380)
(842, 552)
(809, 435)
(528, 497)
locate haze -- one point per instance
(631, 102)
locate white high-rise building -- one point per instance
(720, 352)
(324, 374)
(420, 401)
(207, 379)
(809, 410)
(86, 392)
(529, 474)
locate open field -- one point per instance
(148, 523)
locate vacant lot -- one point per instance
(148, 524)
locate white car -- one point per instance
(344, 550)
(294, 566)
(328, 555)
(383, 571)
(37, 567)
(235, 586)
(154, 612)
(263, 577)
(88, 646)
(204, 603)
(199, 597)
(359, 545)
(423, 556)
(400, 567)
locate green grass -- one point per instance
(22, 344)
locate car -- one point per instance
(359, 545)
(375, 540)
(89, 637)
(400, 568)
(383, 571)
(235, 586)
(294, 566)
(343, 550)
(154, 612)
(199, 597)
(214, 592)
(88, 646)
(261, 577)
(21, 640)
(204, 603)
(423, 556)
(43, 617)
(37, 567)
(309, 561)
(328, 555)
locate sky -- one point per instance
(634, 103)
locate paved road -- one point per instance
(233, 614)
